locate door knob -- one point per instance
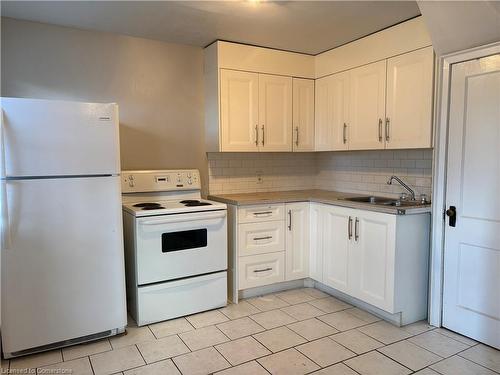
(452, 216)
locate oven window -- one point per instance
(188, 239)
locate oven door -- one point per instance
(175, 246)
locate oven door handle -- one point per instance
(186, 217)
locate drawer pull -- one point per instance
(263, 270)
(267, 213)
(262, 238)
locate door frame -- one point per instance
(441, 119)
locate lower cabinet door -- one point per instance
(297, 241)
(262, 269)
(338, 231)
(316, 241)
(372, 258)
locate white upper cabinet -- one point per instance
(409, 100)
(374, 93)
(332, 112)
(275, 113)
(303, 114)
(367, 106)
(239, 110)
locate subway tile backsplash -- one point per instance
(367, 172)
(257, 172)
(364, 172)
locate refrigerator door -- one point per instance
(63, 272)
(55, 138)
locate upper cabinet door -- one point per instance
(332, 112)
(409, 100)
(367, 107)
(275, 113)
(239, 111)
(303, 114)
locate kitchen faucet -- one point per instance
(410, 190)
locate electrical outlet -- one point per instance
(260, 179)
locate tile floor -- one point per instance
(299, 331)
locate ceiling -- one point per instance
(302, 26)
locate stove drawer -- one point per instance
(255, 214)
(262, 269)
(179, 298)
(261, 238)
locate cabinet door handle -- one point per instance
(380, 130)
(262, 238)
(290, 220)
(349, 228)
(387, 126)
(263, 270)
(263, 135)
(356, 230)
(344, 133)
(297, 137)
(264, 213)
(256, 135)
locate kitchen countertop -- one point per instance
(315, 195)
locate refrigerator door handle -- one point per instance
(4, 218)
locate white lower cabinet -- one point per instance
(316, 241)
(261, 238)
(378, 258)
(372, 256)
(297, 241)
(336, 244)
(262, 269)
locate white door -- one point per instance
(303, 114)
(338, 234)
(64, 265)
(297, 241)
(275, 113)
(471, 296)
(367, 106)
(332, 112)
(371, 263)
(409, 100)
(239, 110)
(316, 224)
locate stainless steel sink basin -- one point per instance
(371, 199)
(381, 201)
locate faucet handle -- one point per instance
(403, 196)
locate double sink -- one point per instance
(381, 201)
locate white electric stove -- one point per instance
(175, 245)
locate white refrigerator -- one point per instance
(62, 266)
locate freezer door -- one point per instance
(63, 271)
(55, 138)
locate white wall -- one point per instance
(158, 86)
(458, 25)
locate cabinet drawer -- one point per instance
(261, 238)
(254, 214)
(263, 269)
